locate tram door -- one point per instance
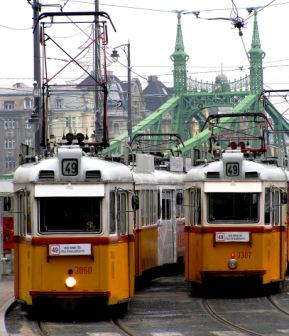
(167, 229)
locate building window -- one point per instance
(70, 122)
(9, 105)
(27, 103)
(116, 128)
(9, 144)
(10, 163)
(73, 122)
(28, 142)
(58, 103)
(27, 124)
(9, 123)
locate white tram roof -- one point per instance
(109, 171)
(159, 177)
(168, 177)
(144, 178)
(6, 187)
(217, 170)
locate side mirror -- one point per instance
(7, 204)
(284, 197)
(179, 198)
(135, 202)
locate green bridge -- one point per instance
(190, 99)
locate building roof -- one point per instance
(156, 93)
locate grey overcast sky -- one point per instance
(150, 26)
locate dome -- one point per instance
(221, 78)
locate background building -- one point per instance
(70, 109)
(16, 106)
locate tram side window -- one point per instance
(142, 208)
(28, 219)
(180, 207)
(21, 214)
(198, 213)
(276, 207)
(267, 206)
(166, 205)
(148, 210)
(121, 212)
(159, 204)
(112, 223)
(137, 214)
(195, 217)
(191, 207)
(151, 207)
(155, 207)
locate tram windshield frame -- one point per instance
(233, 208)
(75, 215)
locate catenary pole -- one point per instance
(97, 101)
(37, 75)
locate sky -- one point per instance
(150, 28)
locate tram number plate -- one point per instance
(226, 237)
(232, 169)
(69, 249)
(69, 167)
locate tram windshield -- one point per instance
(238, 208)
(69, 214)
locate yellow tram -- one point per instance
(236, 217)
(85, 226)
(74, 231)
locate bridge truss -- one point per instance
(184, 113)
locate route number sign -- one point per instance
(69, 167)
(232, 169)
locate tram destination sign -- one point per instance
(69, 249)
(224, 237)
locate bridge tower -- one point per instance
(180, 58)
(256, 55)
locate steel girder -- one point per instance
(195, 142)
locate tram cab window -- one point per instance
(69, 214)
(235, 208)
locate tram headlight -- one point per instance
(70, 282)
(232, 263)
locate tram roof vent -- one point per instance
(252, 174)
(213, 174)
(144, 163)
(93, 175)
(46, 175)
